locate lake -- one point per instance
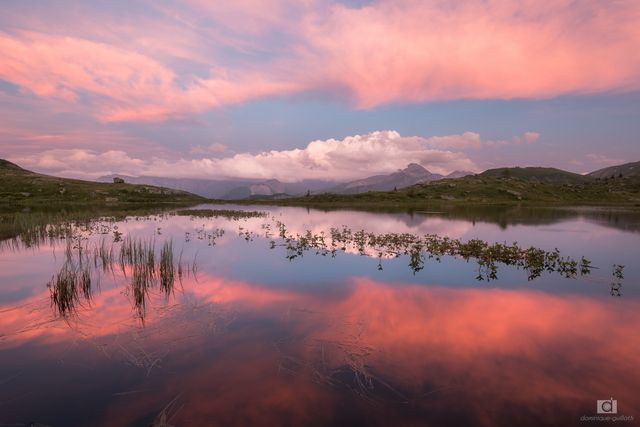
(276, 319)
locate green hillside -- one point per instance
(482, 189)
(20, 187)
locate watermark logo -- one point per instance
(607, 411)
(609, 406)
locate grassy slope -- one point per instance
(627, 169)
(486, 190)
(20, 187)
(537, 174)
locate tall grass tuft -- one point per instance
(167, 268)
(72, 284)
(140, 288)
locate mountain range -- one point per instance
(229, 189)
(236, 189)
(538, 174)
(411, 175)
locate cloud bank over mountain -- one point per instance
(334, 159)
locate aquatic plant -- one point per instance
(209, 235)
(616, 283)
(167, 268)
(104, 254)
(73, 284)
(419, 248)
(220, 213)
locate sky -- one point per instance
(310, 89)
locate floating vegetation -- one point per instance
(209, 235)
(220, 213)
(247, 235)
(419, 248)
(616, 283)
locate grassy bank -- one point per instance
(21, 188)
(480, 190)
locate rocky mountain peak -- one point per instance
(415, 169)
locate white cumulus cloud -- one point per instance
(350, 158)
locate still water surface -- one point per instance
(250, 337)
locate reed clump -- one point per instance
(167, 268)
(73, 284)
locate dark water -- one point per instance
(249, 337)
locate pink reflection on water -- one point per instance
(289, 356)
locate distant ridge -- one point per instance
(7, 165)
(530, 186)
(229, 189)
(411, 175)
(458, 174)
(202, 187)
(627, 169)
(538, 174)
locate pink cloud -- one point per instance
(472, 140)
(411, 51)
(390, 51)
(601, 159)
(257, 16)
(527, 138)
(127, 86)
(19, 141)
